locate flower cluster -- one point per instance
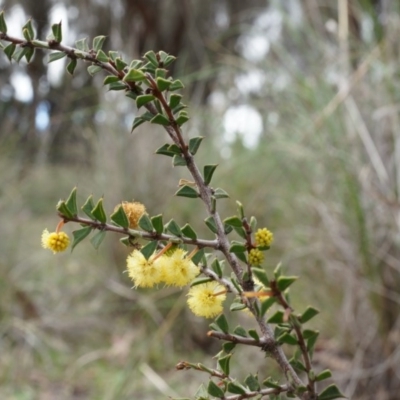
(55, 241)
(256, 257)
(264, 237)
(206, 300)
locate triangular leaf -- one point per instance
(134, 75)
(94, 69)
(222, 323)
(80, 234)
(97, 239)
(99, 213)
(214, 390)
(98, 42)
(57, 32)
(211, 224)
(56, 56)
(233, 221)
(71, 202)
(160, 119)
(3, 25)
(309, 313)
(71, 66)
(157, 222)
(144, 99)
(330, 393)
(119, 217)
(188, 231)
(149, 249)
(187, 191)
(145, 223)
(283, 282)
(209, 172)
(88, 207)
(174, 228)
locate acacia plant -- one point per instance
(217, 269)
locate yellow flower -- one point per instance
(55, 241)
(144, 273)
(256, 257)
(133, 211)
(177, 270)
(264, 237)
(206, 300)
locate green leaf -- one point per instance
(183, 117)
(283, 282)
(71, 66)
(278, 271)
(237, 388)
(137, 122)
(188, 231)
(224, 362)
(199, 256)
(161, 73)
(253, 223)
(149, 249)
(201, 393)
(228, 347)
(88, 207)
(325, 374)
(71, 202)
(220, 194)
(288, 339)
(145, 223)
(173, 227)
(330, 393)
(151, 57)
(210, 222)
(311, 343)
(222, 323)
(82, 44)
(233, 221)
(252, 382)
(27, 31)
(194, 143)
(30, 51)
(200, 281)
(214, 390)
(144, 99)
(237, 307)
(174, 100)
(3, 25)
(297, 364)
(178, 161)
(209, 172)
(309, 313)
(157, 222)
(240, 331)
(99, 213)
(276, 318)
(9, 50)
(254, 334)
(175, 149)
(97, 239)
(266, 305)
(57, 32)
(160, 119)
(271, 383)
(120, 64)
(117, 86)
(227, 229)
(20, 53)
(110, 79)
(308, 333)
(169, 60)
(135, 64)
(119, 217)
(237, 247)
(164, 150)
(176, 85)
(216, 267)
(241, 232)
(187, 191)
(56, 56)
(98, 42)
(261, 275)
(94, 69)
(135, 75)
(242, 257)
(101, 56)
(63, 209)
(163, 84)
(80, 234)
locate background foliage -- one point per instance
(322, 173)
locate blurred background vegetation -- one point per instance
(299, 102)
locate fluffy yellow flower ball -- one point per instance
(256, 257)
(55, 241)
(264, 237)
(144, 273)
(206, 300)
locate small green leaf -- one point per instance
(187, 191)
(101, 56)
(144, 99)
(254, 334)
(157, 222)
(237, 247)
(176, 85)
(271, 383)
(174, 100)
(283, 282)
(241, 232)
(119, 217)
(175, 149)
(199, 256)
(82, 44)
(183, 117)
(227, 229)
(224, 362)
(94, 69)
(253, 224)
(99, 213)
(98, 42)
(57, 32)
(325, 374)
(117, 86)
(56, 56)
(97, 239)
(233, 221)
(169, 60)
(237, 307)
(30, 51)
(80, 234)
(151, 57)
(64, 210)
(20, 53)
(110, 79)
(145, 223)
(330, 393)
(276, 318)
(308, 333)
(228, 347)
(71, 66)
(120, 64)
(160, 119)
(27, 31)
(163, 84)
(9, 50)
(214, 390)
(71, 202)
(209, 172)
(164, 150)
(134, 75)
(240, 331)
(137, 122)
(261, 275)
(135, 64)
(278, 271)
(222, 323)
(297, 364)
(266, 305)
(88, 207)
(3, 25)
(210, 222)
(201, 393)
(288, 339)
(309, 313)
(149, 249)
(252, 382)
(220, 194)
(311, 343)
(178, 161)
(188, 231)
(216, 266)
(242, 257)
(237, 388)
(200, 281)
(173, 227)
